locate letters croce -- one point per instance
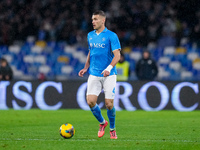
(142, 99)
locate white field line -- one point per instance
(131, 140)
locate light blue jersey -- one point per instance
(101, 48)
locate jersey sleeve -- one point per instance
(114, 40)
(89, 48)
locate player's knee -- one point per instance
(91, 102)
(109, 105)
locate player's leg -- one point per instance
(94, 88)
(94, 107)
(111, 113)
(109, 89)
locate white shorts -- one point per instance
(96, 84)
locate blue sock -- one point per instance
(97, 113)
(111, 116)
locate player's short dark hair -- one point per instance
(100, 12)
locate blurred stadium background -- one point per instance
(49, 36)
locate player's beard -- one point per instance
(98, 27)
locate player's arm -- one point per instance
(87, 65)
(115, 60)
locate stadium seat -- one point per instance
(186, 75)
(184, 41)
(151, 46)
(13, 67)
(175, 65)
(80, 56)
(156, 53)
(126, 49)
(18, 73)
(63, 59)
(28, 59)
(44, 69)
(169, 51)
(30, 39)
(40, 59)
(47, 50)
(41, 44)
(196, 64)
(164, 61)
(3, 49)
(162, 74)
(69, 49)
(8, 57)
(135, 55)
(67, 69)
(36, 49)
(51, 44)
(180, 50)
(33, 70)
(14, 49)
(182, 58)
(192, 55)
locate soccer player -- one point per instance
(103, 55)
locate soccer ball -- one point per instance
(67, 131)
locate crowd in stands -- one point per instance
(137, 22)
(140, 24)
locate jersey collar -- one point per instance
(102, 31)
(105, 30)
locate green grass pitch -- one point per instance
(139, 130)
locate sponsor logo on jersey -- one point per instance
(97, 45)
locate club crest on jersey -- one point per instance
(103, 39)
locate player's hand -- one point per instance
(82, 72)
(105, 73)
